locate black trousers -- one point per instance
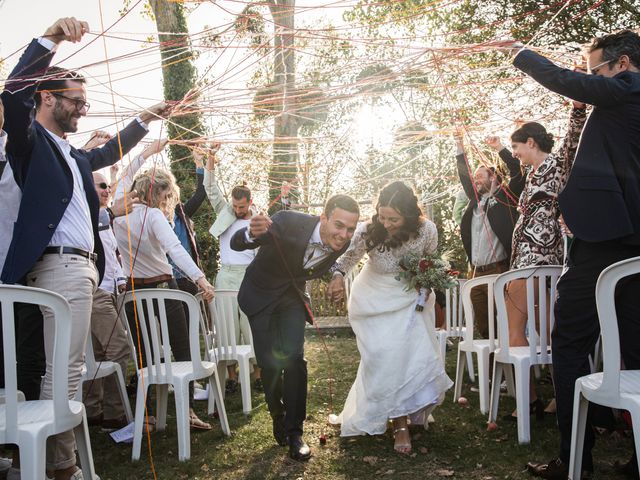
(177, 324)
(278, 341)
(577, 328)
(30, 357)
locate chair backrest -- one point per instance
(605, 302)
(151, 315)
(225, 314)
(468, 317)
(542, 278)
(454, 313)
(9, 296)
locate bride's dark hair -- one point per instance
(403, 200)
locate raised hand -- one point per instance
(98, 138)
(67, 28)
(494, 142)
(159, 111)
(155, 147)
(508, 46)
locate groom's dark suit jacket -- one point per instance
(278, 269)
(42, 172)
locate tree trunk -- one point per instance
(285, 147)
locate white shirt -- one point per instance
(75, 228)
(232, 257)
(316, 251)
(112, 269)
(10, 196)
(156, 239)
(485, 245)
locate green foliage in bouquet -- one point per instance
(428, 271)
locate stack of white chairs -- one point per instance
(454, 325)
(162, 371)
(611, 387)
(482, 347)
(28, 424)
(538, 352)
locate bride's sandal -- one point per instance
(399, 445)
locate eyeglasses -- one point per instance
(78, 102)
(596, 69)
(103, 185)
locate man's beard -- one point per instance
(64, 119)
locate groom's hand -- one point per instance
(259, 225)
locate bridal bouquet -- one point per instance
(426, 273)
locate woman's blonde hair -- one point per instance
(150, 184)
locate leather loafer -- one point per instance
(556, 469)
(279, 432)
(298, 449)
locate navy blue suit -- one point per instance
(601, 206)
(272, 295)
(41, 170)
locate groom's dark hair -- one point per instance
(345, 202)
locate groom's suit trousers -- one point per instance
(278, 340)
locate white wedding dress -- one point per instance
(400, 372)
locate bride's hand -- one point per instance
(335, 289)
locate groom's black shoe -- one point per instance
(298, 449)
(279, 432)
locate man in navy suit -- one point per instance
(601, 206)
(55, 238)
(294, 247)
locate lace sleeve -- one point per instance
(356, 250)
(429, 233)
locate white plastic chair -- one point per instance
(469, 345)
(539, 350)
(162, 371)
(224, 316)
(454, 326)
(94, 370)
(28, 424)
(611, 387)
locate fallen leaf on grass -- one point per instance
(370, 460)
(443, 472)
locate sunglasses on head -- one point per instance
(103, 185)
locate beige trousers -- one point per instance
(76, 279)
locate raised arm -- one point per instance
(591, 89)
(463, 168)
(567, 151)
(130, 170)
(216, 198)
(192, 205)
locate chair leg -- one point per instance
(214, 388)
(578, 427)
(181, 395)
(245, 384)
(123, 393)
(472, 375)
(33, 457)
(495, 390)
(162, 401)
(460, 364)
(139, 419)
(508, 376)
(634, 410)
(83, 443)
(523, 374)
(483, 380)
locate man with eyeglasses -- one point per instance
(601, 206)
(55, 243)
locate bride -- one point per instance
(401, 375)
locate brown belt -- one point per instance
(491, 266)
(146, 281)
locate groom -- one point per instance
(294, 247)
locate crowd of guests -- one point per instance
(62, 230)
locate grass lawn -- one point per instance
(456, 446)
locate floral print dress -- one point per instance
(537, 238)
